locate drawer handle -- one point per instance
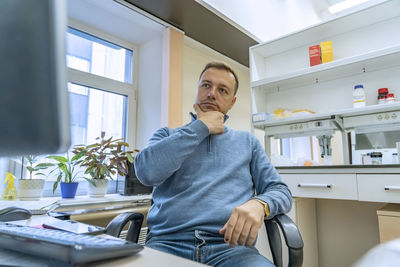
(391, 187)
(315, 185)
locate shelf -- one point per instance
(340, 68)
(344, 113)
(323, 30)
(292, 120)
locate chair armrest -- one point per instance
(292, 237)
(115, 227)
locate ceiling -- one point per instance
(202, 25)
(121, 22)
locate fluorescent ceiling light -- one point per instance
(345, 5)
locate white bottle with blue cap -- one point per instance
(359, 96)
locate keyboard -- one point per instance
(63, 246)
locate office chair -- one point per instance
(291, 234)
(115, 227)
(293, 240)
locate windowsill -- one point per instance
(110, 199)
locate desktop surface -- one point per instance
(147, 257)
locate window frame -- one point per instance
(107, 84)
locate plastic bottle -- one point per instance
(381, 100)
(382, 93)
(390, 98)
(359, 96)
(376, 158)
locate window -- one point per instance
(91, 54)
(93, 111)
(101, 93)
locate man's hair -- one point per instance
(222, 66)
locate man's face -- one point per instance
(216, 90)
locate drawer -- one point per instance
(333, 186)
(379, 187)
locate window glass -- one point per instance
(91, 112)
(94, 111)
(88, 53)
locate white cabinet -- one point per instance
(366, 48)
(331, 186)
(379, 187)
(371, 187)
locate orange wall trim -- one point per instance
(175, 77)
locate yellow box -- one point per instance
(326, 51)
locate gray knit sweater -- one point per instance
(200, 178)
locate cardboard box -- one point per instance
(389, 222)
(326, 52)
(315, 55)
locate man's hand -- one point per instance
(214, 120)
(244, 223)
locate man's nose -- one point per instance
(212, 91)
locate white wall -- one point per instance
(195, 57)
(149, 110)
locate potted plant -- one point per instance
(102, 160)
(32, 189)
(68, 169)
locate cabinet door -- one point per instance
(379, 187)
(332, 186)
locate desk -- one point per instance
(148, 257)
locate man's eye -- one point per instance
(205, 85)
(223, 91)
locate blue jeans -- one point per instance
(207, 248)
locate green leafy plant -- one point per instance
(33, 167)
(105, 158)
(67, 168)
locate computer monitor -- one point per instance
(34, 106)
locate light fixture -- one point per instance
(345, 5)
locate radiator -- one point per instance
(142, 235)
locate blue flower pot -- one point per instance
(68, 190)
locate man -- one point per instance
(205, 177)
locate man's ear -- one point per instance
(233, 101)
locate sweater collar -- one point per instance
(194, 117)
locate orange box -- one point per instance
(315, 55)
(326, 52)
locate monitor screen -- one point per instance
(34, 115)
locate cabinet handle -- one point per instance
(315, 185)
(391, 187)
